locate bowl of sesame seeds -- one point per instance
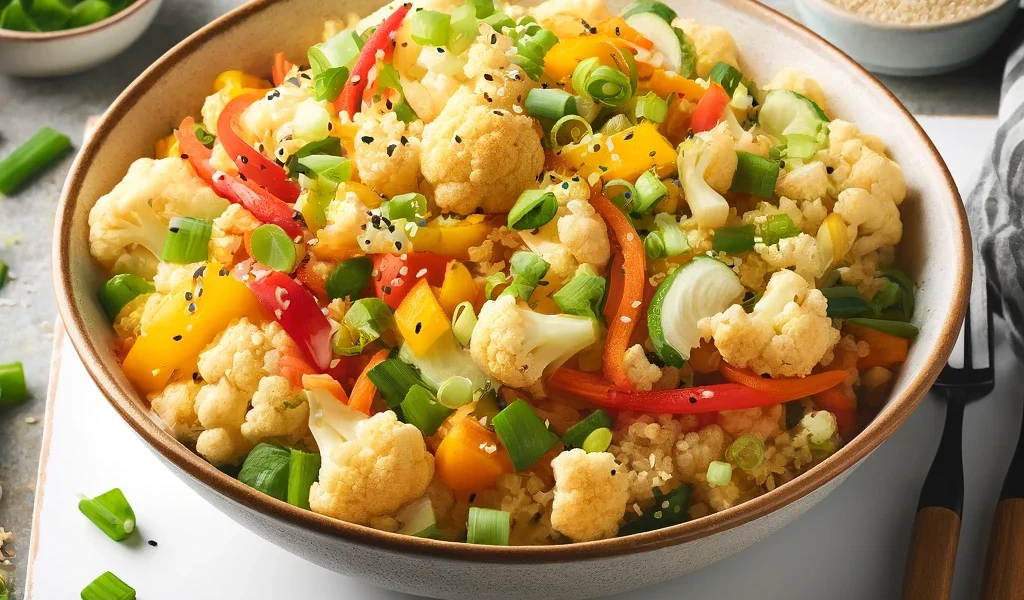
(910, 37)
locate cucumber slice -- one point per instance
(673, 44)
(650, 6)
(701, 288)
(418, 519)
(786, 113)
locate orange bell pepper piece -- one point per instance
(470, 458)
(420, 319)
(625, 155)
(458, 287)
(363, 391)
(786, 388)
(887, 350)
(664, 82)
(561, 60)
(617, 27)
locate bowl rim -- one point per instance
(852, 18)
(40, 36)
(891, 417)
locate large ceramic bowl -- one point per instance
(936, 244)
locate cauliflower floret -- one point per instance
(639, 371)
(480, 158)
(713, 44)
(797, 81)
(799, 252)
(214, 105)
(491, 255)
(874, 220)
(806, 215)
(645, 450)
(220, 160)
(805, 183)
(762, 423)
(590, 495)
(864, 272)
(387, 153)
(858, 161)
(576, 236)
(176, 407)
(785, 335)
(351, 226)
(370, 469)
(129, 321)
(709, 209)
(496, 81)
(278, 411)
(229, 231)
(696, 450)
(276, 123)
(516, 345)
(754, 144)
(722, 165)
(128, 225)
(592, 11)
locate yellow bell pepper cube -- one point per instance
(185, 323)
(458, 287)
(361, 191)
(166, 147)
(237, 80)
(625, 155)
(453, 238)
(561, 60)
(420, 319)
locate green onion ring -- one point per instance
(576, 122)
(623, 199)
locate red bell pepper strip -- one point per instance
(709, 108)
(395, 274)
(790, 388)
(634, 273)
(252, 164)
(690, 401)
(280, 68)
(263, 206)
(383, 38)
(577, 383)
(298, 313)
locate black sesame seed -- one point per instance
(386, 289)
(188, 296)
(829, 170)
(184, 157)
(419, 326)
(330, 126)
(192, 307)
(628, 136)
(367, 242)
(242, 177)
(403, 140)
(488, 77)
(613, 472)
(177, 338)
(440, 50)
(244, 159)
(366, 139)
(494, 38)
(305, 76)
(458, 140)
(693, 399)
(603, 168)
(293, 80)
(398, 245)
(223, 272)
(472, 498)
(652, 153)
(152, 543)
(199, 272)
(597, 147)
(391, 149)
(544, 85)
(565, 185)
(174, 230)
(499, 113)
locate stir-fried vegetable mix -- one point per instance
(511, 276)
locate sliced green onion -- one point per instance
(668, 509)
(303, 470)
(887, 296)
(583, 295)
(897, 328)
(393, 379)
(651, 107)
(14, 17)
(493, 281)
(3, 589)
(272, 247)
(111, 513)
(499, 21)
(719, 473)
(421, 409)
(623, 199)
(412, 207)
(266, 470)
(418, 519)
(339, 51)
(488, 526)
(12, 384)
(523, 434)
(754, 175)
(366, 320)
(533, 209)
(311, 209)
(463, 322)
(89, 12)
(727, 75)
(733, 239)
(651, 6)
(50, 15)
(335, 169)
(108, 587)
(187, 240)
(327, 84)
(598, 440)
(550, 103)
(349, 278)
(578, 433)
(574, 126)
(484, 8)
(456, 391)
(119, 290)
(430, 27)
(606, 85)
(587, 108)
(777, 227)
(205, 137)
(669, 240)
(747, 452)
(649, 191)
(616, 124)
(330, 146)
(463, 28)
(527, 270)
(40, 150)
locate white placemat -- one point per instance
(852, 545)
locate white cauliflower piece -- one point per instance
(576, 236)
(497, 82)
(722, 165)
(786, 334)
(516, 345)
(805, 183)
(229, 231)
(170, 276)
(873, 219)
(590, 495)
(278, 411)
(797, 81)
(128, 225)
(592, 11)
(858, 161)
(709, 209)
(713, 44)
(176, 407)
(387, 153)
(639, 371)
(214, 105)
(276, 123)
(799, 252)
(352, 226)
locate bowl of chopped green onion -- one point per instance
(46, 38)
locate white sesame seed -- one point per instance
(421, 273)
(629, 237)
(625, 319)
(636, 304)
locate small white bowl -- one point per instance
(68, 51)
(908, 49)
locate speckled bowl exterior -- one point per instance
(936, 251)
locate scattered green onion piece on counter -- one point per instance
(897, 328)
(421, 409)
(12, 384)
(606, 85)
(733, 239)
(108, 587)
(187, 240)
(550, 103)
(583, 295)
(118, 291)
(651, 6)
(327, 84)
(50, 15)
(40, 150)
(430, 27)
(719, 473)
(625, 198)
(455, 392)
(533, 209)
(110, 512)
(205, 137)
(523, 434)
(574, 126)
(3, 274)
(499, 21)
(754, 175)
(488, 526)
(484, 8)
(15, 18)
(649, 191)
(747, 452)
(616, 124)
(272, 247)
(393, 379)
(463, 322)
(727, 75)
(89, 12)
(463, 28)
(576, 435)
(266, 470)
(418, 519)
(349, 278)
(411, 207)
(337, 52)
(527, 270)
(651, 107)
(598, 440)
(303, 470)
(777, 227)
(668, 509)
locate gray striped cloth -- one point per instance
(995, 207)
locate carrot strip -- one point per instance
(841, 402)
(789, 388)
(364, 390)
(280, 68)
(578, 383)
(320, 380)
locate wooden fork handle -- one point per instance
(1004, 568)
(933, 543)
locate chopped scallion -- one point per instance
(583, 295)
(3, 274)
(754, 175)
(463, 322)
(349, 278)
(669, 240)
(533, 209)
(605, 85)
(463, 28)
(573, 127)
(550, 103)
(777, 227)
(719, 473)
(733, 239)
(111, 513)
(845, 302)
(527, 270)
(578, 433)
(499, 21)
(651, 107)
(418, 519)
(40, 150)
(364, 322)
(393, 379)
(303, 470)
(421, 409)
(337, 52)
(747, 452)
(621, 192)
(12, 384)
(649, 191)
(523, 434)
(272, 247)
(187, 240)
(727, 75)
(108, 587)
(598, 440)
(121, 289)
(411, 207)
(484, 8)
(430, 27)
(488, 526)
(456, 391)
(668, 509)
(266, 470)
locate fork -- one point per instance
(936, 532)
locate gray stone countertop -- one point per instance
(27, 307)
